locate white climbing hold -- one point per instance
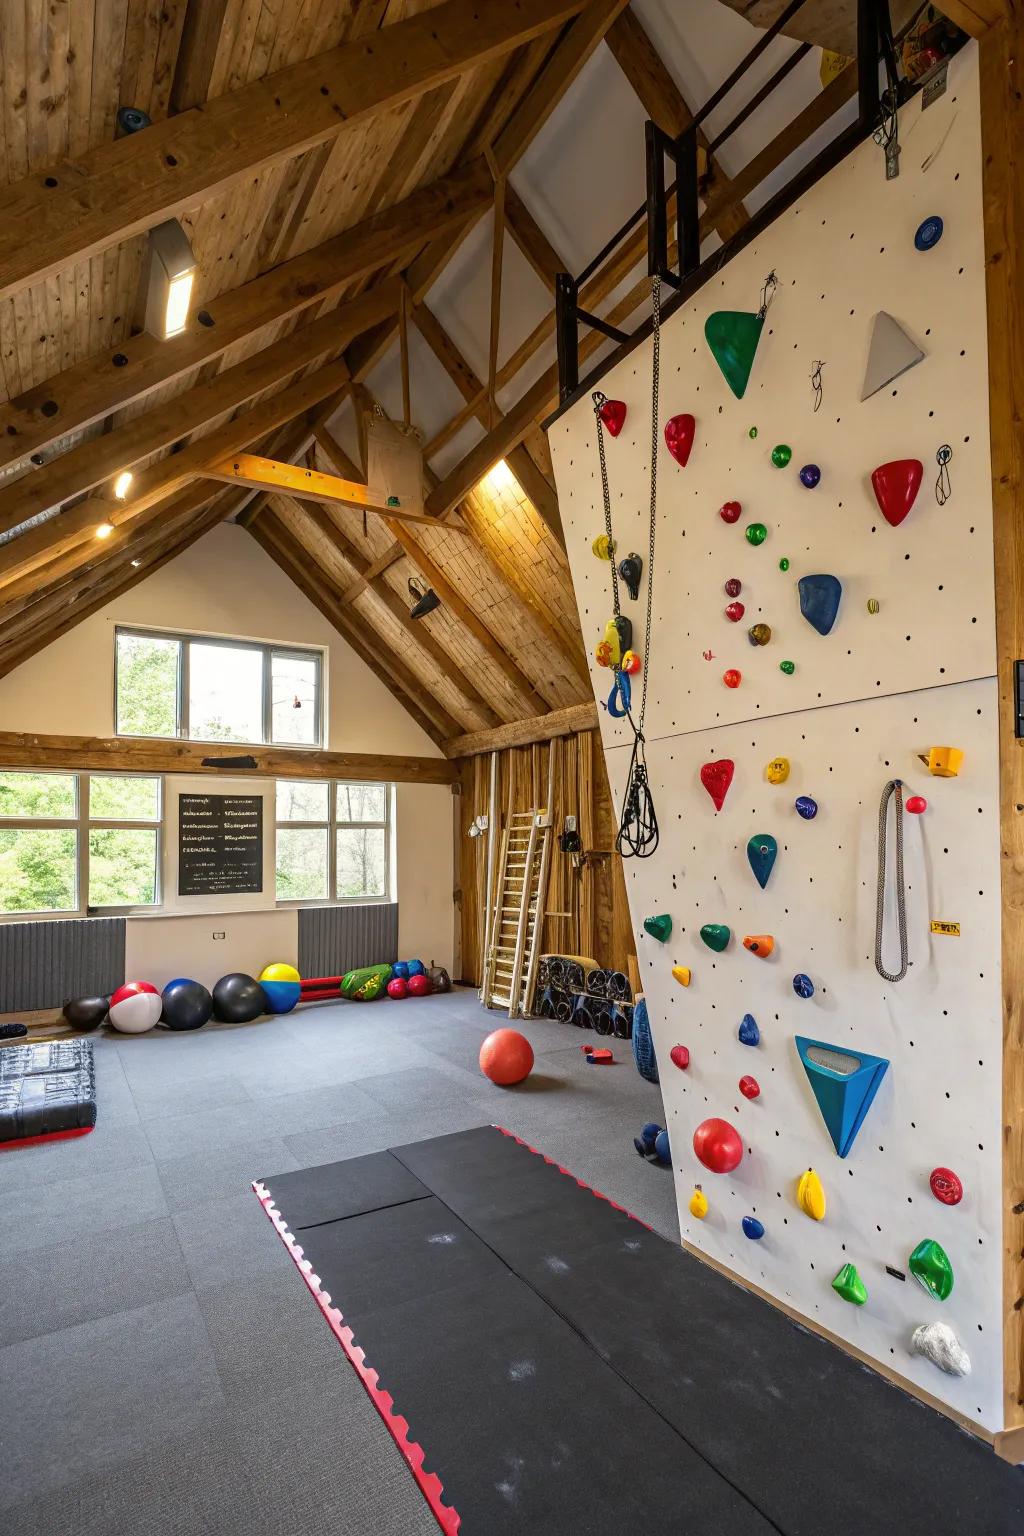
(939, 1344)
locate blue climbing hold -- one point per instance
(844, 1083)
(810, 476)
(819, 601)
(806, 807)
(803, 986)
(762, 851)
(753, 1228)
(748, 1032)
(929, 233)
(661, 1149)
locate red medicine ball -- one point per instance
(506, 1057)
(718, 1145)
(419, 986)
(398, 987)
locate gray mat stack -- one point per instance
(47, 1089)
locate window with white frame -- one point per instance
(333, 841)
(77, 842)
(201, 688)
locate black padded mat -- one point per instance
(568, 1371)
(349, 1188)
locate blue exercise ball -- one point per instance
(186, 1004)
(416, 968)
(400, 970)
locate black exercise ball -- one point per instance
(439, 979)
(86, 1012)
(238, 998)
(187, 1004)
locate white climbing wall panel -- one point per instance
(861, 705)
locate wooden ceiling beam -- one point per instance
(123, 188)
(304, 484)
(522, 733)
(531, 239)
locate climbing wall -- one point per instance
(909, 664)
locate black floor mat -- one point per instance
(567, 1371)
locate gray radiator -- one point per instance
(42, 964)
(333, 940)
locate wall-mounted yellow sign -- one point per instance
(952, 929)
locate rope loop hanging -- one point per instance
(892, 791)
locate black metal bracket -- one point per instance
(1018, 699)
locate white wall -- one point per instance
(226, 585)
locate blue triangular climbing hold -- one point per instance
(733, 336)
(762, 851)
(844, 1084)
(819, 600)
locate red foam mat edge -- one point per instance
(570, 1175)
(35, 1141)
(430, 1486)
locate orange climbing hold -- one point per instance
(759, 944)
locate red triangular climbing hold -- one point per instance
(613, 414)
(679, 437)
(716, 778)
(896, 485)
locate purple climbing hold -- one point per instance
(806, 807)
(810, 475)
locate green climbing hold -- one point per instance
(733, 336)
(756, 533)
(789, 667)
(752, 432)
(781, 455)
(659, 927)
(716, 936)
(929, 1264)
(784, 563)
(849, 1285)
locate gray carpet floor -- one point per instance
(163, 1370)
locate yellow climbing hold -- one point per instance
(698, 1203)
(611, 645)
(682, 974)
(944, 762)
(810, 1195)
(777, 771)
(603, 547)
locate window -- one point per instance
(333, 841)
(74, 842)
(204, 689)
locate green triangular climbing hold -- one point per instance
(849, 1285)
(716, 936)
(733, 335)
(929, 1264)
(659, 927)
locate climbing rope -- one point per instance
(893, 788)
(638, 827)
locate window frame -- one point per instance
(333, 826)
(82, 824)
(268, 649)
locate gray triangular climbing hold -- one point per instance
(891, 353)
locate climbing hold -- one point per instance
(748, 1032)
(781, 455)
(759, 944)
(803, 986)
(644, 1143)
(751, 432)
(733, 336)
(938, 1343)
(631, 663)
(732, 678)
(928, 233)
(631, 568)
(784, 563)
(734, 612)
(849, 1285)
(789, 667)
(759, 634)
(749, 1087)
(679, 432)
(819, 601)
(752, 1228)
(659, 927)
(718, 1145)
(810, 475)
(844, 1085)
(603, 547)
(698, 1203)
(613, 415)
(716, 936)
(891, 353)
(777, 771)
(896, 485)
(756, 533)
(662, 1150)
(806, 807)
(682, 974)
(945, 1185)
(762, 851)
(944, 762)
(620, 697)
(680, 1057)
(618, 638)
(873, 605)
(916, 804)
(730, 512)
(733, 587)
(929, 1264)
(810, 1195)
(716, 777)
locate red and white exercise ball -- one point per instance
(135, 1007)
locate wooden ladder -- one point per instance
(514, 897)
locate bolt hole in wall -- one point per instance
(840, 590)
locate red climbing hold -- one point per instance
(735, 612)
(680, 1056)
(946, 1186)
(733, 587)
(916, 804)
(613, 414)
(896, 485)
(718, 1145)
(716, 778)
(731, 512)
(679, 437)
(732, 678)
(749, 1087)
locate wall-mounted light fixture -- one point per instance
(425, 601)
(170, 274)
(123, 483)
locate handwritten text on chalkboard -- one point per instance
(220, 844)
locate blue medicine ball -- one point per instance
(400, 969)
(416, 967)
(186, 1004)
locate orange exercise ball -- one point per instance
(506, 1057)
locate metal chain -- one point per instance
(893, 788)
(599, 401)
(655, 440)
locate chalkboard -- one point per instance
(220, 844)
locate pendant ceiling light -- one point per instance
(425, 602)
